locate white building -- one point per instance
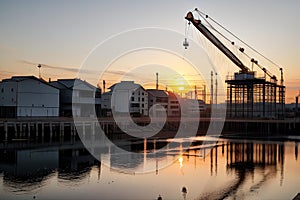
(78, 97)
(28, 96)
(126, 97)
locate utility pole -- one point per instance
(216, 93)
(103, 86)
(204, 94)
(211, 88)
(156, 81)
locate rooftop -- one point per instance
(157, 93)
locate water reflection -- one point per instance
(27, 169)
(243, 159)
(240, 169)
(75, 165)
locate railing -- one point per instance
(86, 100)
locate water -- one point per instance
(234, 169)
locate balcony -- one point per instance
(86, 100)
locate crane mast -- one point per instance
(217, 42)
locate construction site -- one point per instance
(249, 95)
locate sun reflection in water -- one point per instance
(180, 160)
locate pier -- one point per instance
(60, 129)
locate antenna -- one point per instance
(39, 66)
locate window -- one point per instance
(2, 90)
(12, 89)
(132, 98)
(162, 100)
(143, 105)
(132, 93)
(143, 99)
(142, 93)
(135, 105)
(139, 99)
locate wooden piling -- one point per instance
(5, 131)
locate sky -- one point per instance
(63, 33)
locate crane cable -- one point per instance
(206, 16)
(238, 48)
(222, 35)
(213, 28)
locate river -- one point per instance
(227, 169)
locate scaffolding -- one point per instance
(250, 97)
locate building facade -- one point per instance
(125, 97)
(28, 96)
(173, 105)
(157, 97)
(77, 98)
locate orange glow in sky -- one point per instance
(55, 34)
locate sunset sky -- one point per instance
(63, 33)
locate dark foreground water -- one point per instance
(234, 169)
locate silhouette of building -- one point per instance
(28, 96)
(77, 96)
(193, 107)
(157, 97)
(173, 105)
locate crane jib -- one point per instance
(216, 42)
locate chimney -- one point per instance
(49, 80)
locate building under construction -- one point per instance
(247, 95)
(251, 97)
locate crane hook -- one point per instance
(185, 43)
